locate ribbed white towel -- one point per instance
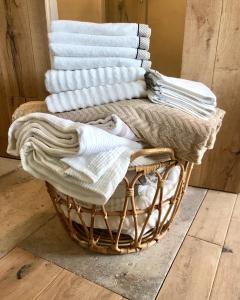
(99, 40)
(93, 96)
(42, 140)
(79, 63)
(202, 111)
(116, 126)
(97, 51)
(129, 29)
(62, 81)
(60, 137)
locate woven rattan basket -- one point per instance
(109, 241)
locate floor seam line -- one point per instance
(214, 280)
(181, 244)
(201, 239)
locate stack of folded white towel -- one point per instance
(94, 64)
(192, 97)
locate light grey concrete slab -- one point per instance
(134, 276)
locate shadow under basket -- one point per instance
(81, 219)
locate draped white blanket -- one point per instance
(62, 81)
(128, 29)
(99, 40)
(67, 101)
(62, 49)
(79, 63)
(78, 159)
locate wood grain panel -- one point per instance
(18, 49)
(84, 10)
(202, 24)
(212, 221)
(192, 274)
(70, 286)
(23, 58)
(218, 66)
(166, 18)
(23, 275)
(126, 11)
(38, 28)
(226, 284)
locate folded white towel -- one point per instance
(129, 29)
(62, 81)
(190, 88)
(181, 104)
(192, 97)
(116, 126)
(79, 63)
(99, 40)
(93, 96)
(42, 140)
(97, 51)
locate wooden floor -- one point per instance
(207, 265)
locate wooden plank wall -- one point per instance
(84, 10)
(23, 58)
(166, 18)
(211, 54)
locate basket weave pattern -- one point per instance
(109, 241)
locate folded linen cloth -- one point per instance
(137, 42)
(70, 50)
(79, 63)
(67, 101)
(116, 126)
(128, 29)
(192, 97)
(62, 81)
(61, 152)
(157, 125)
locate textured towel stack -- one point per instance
(192, 97)
(94, 64)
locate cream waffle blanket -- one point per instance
(77, 159)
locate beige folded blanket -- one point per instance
(155, 124)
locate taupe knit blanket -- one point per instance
(155, 124)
